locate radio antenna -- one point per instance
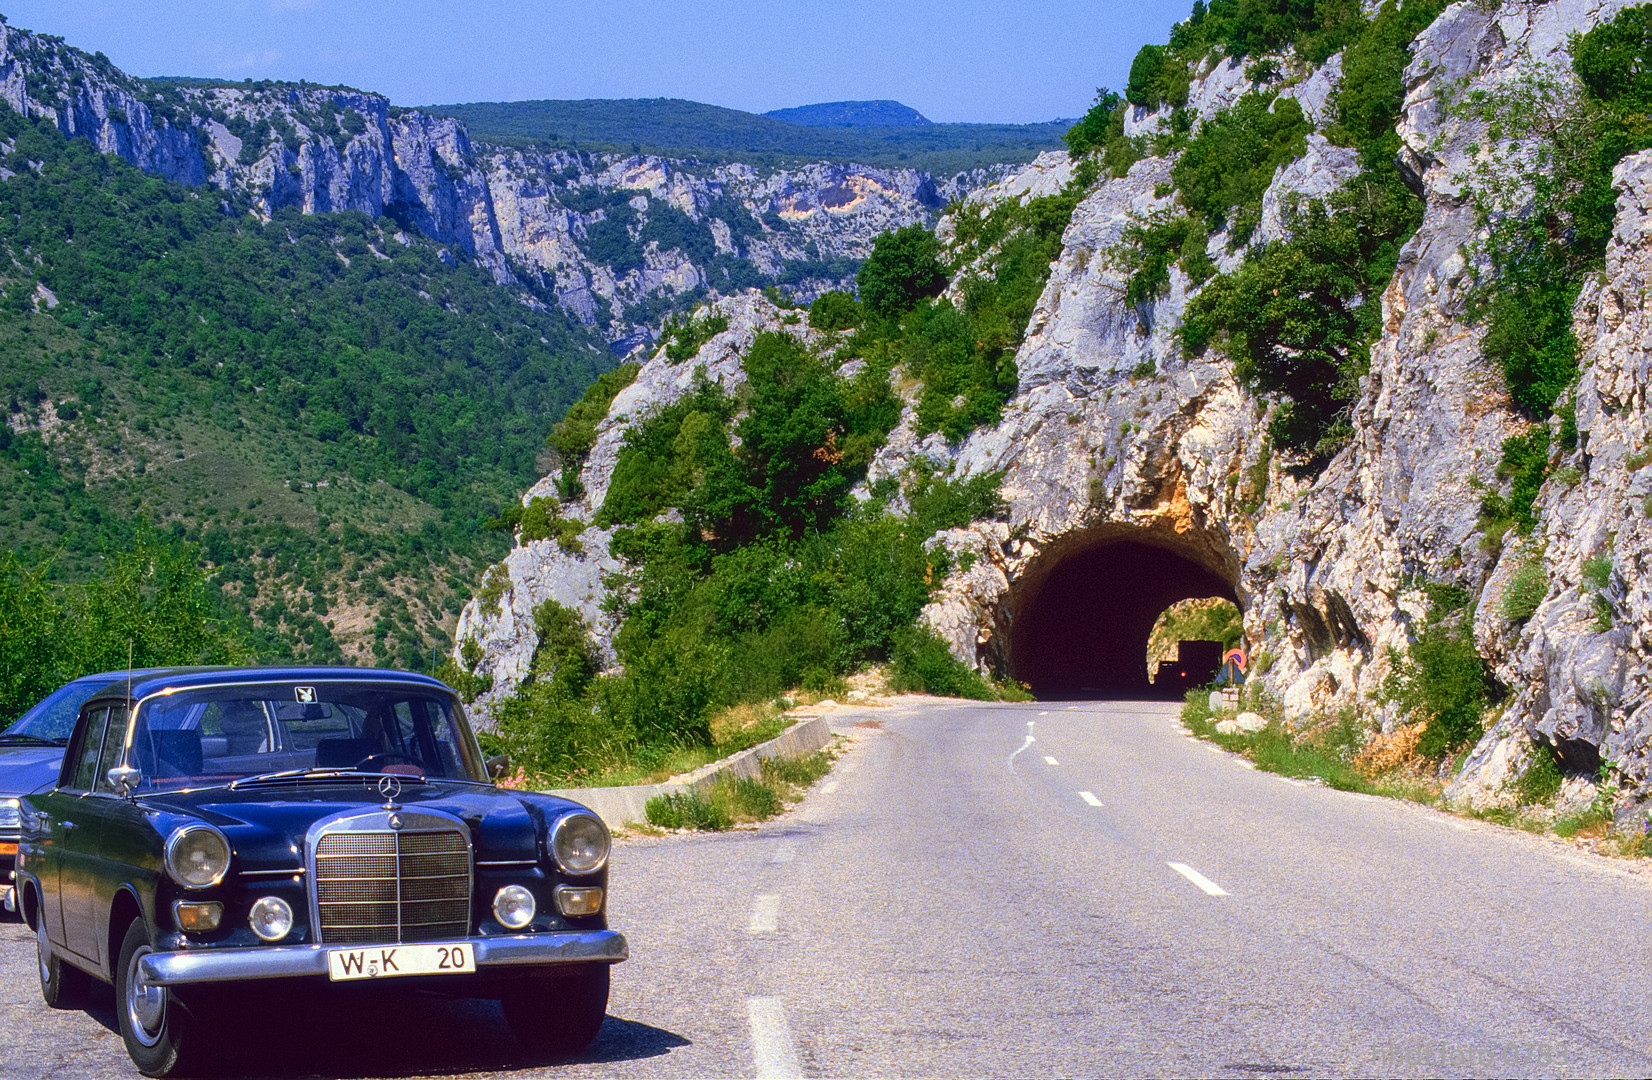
(129, 674)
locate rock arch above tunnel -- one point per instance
(1080, 627)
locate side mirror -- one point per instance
(499, 766)
(124, 779)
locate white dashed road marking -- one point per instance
(1198, 879)
(773, 1051)
(1089, 798)
(1048, 760)
(785, 854)
(828, 787)
(765, 914)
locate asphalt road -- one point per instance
(1036, 890)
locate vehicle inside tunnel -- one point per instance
(1083, 632)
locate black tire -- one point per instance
(62, 985)
(163, 1036)
(559, 1015)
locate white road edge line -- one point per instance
(1089, 798)
(784, 854)
(1209, 886)
(773, 1051)
(1048, 760)
(765, 914)
(828, 787)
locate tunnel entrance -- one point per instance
(1081, 628)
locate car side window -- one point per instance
(89, 750)
(114, 741)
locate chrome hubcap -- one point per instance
(145, 1004)
(44, 946)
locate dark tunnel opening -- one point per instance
(1083, 632)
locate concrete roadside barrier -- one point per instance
(617, 805)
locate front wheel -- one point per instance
(163, 1037)
(63, 985)
(559, 1015)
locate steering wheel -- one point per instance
(377, 762)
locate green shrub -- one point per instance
(684, 337)
(1229, 164)
(575, 434)
(1526, 589)
(687, 810)
(1541, 781)
(835, 310)
(940, 502)
(921, 662)
(1442, 678)
(1157, 77)
(540, 522)
(801, 770)
(903, 268)
(664, 456)
(1525, 464)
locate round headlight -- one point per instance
(197, 856)
(271, 918)
(514, 907)
(579, 843)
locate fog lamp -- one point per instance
(271, 918)
(582, 901)
(198, 916)
(514, 907)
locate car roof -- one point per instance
(137, 674)
(154, 681)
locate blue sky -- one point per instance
(968, 60)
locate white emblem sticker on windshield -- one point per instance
(304, 694)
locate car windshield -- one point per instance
(53, 719)
(222, 734)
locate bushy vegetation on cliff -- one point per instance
(328, 407)
(749, 568)
(1546, 202)
(1299, 314)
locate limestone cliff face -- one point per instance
(526, 217)
(1116, 436)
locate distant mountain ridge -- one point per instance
(712, 134)
(880, 113)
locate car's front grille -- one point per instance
(376, 887)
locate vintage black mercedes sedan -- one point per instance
(214, 832)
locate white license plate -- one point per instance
(388, 961)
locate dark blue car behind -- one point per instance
(31, 750)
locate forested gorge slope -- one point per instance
(320, 341)
(618, 239)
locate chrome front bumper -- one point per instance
(290, 961)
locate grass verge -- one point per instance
(736, 800)
(1345, 753)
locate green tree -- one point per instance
(903, 268)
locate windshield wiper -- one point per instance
(31, 740)
(312, 773)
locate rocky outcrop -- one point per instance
(529, 218)
(1116, 436)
